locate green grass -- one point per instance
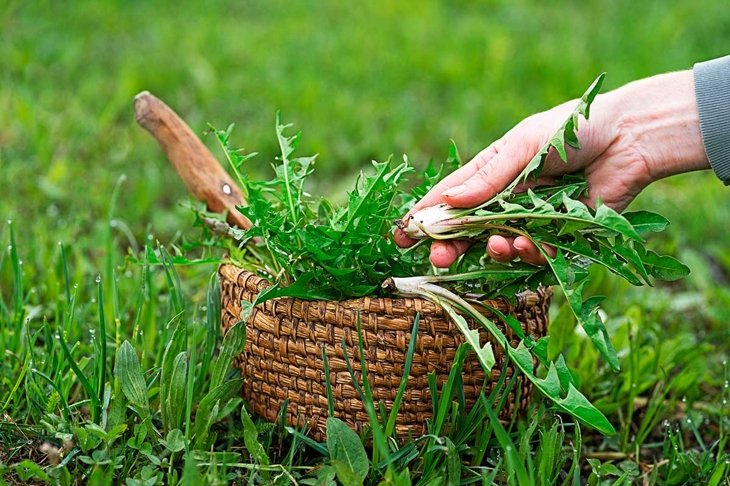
(363, 81)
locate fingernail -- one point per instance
(492, 251)
(454, 191)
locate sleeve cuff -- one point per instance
(712, 88)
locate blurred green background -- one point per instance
(362, 80)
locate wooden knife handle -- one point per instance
(199, 170)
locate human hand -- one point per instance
(637, 134)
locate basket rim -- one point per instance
(404, 306)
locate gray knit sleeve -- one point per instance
(712, 88)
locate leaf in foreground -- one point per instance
(251, 440)
(128, 371)
(346, 451)
(557, 388)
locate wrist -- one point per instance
(657, 118)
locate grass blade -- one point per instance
(101, 362)
(390, 426)
(68, 321)
(514, 463)
(328, 385)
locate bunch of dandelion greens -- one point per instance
(314, 249)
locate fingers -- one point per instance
(506, 249)
(444, 253)
(456, 178)
(501, 248)
(529, 253)
(434, 197)
(496, 172)
(402, 240)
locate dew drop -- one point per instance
(10, 247)
(227, 189)
(684, 399)
(20, 262)
(98, 279)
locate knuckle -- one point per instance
(483, 157)
(484, 180)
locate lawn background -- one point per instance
(362, 80)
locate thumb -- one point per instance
(494, 175)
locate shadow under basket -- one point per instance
(282, 361)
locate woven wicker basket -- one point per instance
(282, 361)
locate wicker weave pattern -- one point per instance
(282, 359)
